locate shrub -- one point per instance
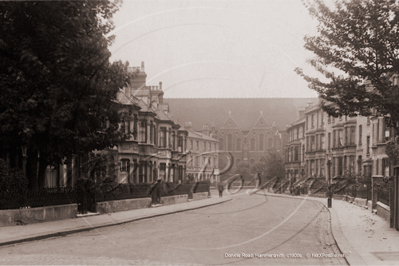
(13, 187)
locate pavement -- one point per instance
(364, 238)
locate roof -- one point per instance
(244, 111)
(199, 135)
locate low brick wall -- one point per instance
(383, 211)
(122, 205)
(169, 200)
(38, 215)
(360, 202)
(133, 204)
(200, 196)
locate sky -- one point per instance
(217, 49)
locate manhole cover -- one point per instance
(387, 255)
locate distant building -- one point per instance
(202, 161)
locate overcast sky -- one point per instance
(217, 49)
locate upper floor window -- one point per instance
(229, 142)
(270, 143)
(252, 145)
(261, 140)
(313, 121)
(238, 144)
(221, 146)
(162, 137)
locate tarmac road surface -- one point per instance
(249, 230)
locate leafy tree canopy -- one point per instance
(58, 87)
(360, 40)
(274, 164)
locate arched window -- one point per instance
(221, 146)
(238, 144)
(252, 146)
(229, 142)
(270, 143)
(261, 138)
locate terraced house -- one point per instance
(338, 149)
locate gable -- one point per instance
(229, 124)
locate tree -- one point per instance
(274, 164)
(58, 86)
(358, 39)
(259, 168)
(243, 169)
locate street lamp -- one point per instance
(329, 187)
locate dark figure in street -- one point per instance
(220, 189)
(155, 192)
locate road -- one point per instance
(223, 234)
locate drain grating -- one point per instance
(387, 255)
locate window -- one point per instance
(307, 122)
(221, 146)
(151, 133)
(329, 140)
(321, 118)
(261, 138)
(238, 144)
(300, 132)
(360, 135)
(385, 167)
(312, 148)
(162, 137)
(339, 173)
(368, 145)
(378, 131)
(125, 165)
(252, 146)
(296, 153)
(312, 120)
(229, 142)
(143, 131)
(352, 136)
(322, 142)
(180, 144)
(334, 139)
(340, 143)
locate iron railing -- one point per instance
(42, 198)
(68, 195)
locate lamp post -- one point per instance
(329, 192)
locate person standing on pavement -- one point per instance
(220, 189)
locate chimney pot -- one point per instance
(160, 85)
(142, 66)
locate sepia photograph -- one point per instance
(199, 132)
